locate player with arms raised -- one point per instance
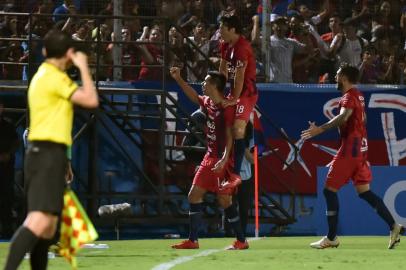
(207, 177)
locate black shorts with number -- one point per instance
(44, 168)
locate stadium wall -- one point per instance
(291, 106)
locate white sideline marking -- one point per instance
(183, 259)
(180, 260)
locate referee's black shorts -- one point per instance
(44, 169)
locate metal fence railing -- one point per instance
(99, 23)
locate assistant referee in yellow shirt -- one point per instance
(51, 96)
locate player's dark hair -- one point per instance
(232, 22)
(57, 43)
(218, 79)
(351, 72)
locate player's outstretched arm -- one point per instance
(186, 88)
(335, 122)
(312, 131)
(338, 120)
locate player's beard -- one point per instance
(204, 91)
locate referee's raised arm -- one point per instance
(86, 95)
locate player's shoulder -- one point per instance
(352, 91)
(346, 96)
(358, 96)
(243, 48)
(223, 45)
(206, 101)
(351, 95)
(51, 73)
(355, 92)
(244, 43)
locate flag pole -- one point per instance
(256, 190)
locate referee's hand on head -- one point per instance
(79, 59)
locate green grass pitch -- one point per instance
(276, 253)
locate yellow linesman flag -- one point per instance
(76, 228)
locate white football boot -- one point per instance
(394, 236)
(325, 243)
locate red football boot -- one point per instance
(237, 245)
(186, 244)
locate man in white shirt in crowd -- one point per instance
(349, 47)
(282, 50)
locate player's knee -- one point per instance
(49, 229)
(49, 232)
(52, 228)
(370, 197)
(194, 197)
(225, 204)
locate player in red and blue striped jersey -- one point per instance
(219, 144)
(351, 160)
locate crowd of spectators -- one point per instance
(309, 38)
(308, 46)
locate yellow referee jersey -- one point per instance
(51, 111)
